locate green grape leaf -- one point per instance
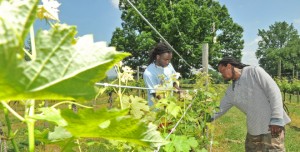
(20, 15)
(1, 107)
(50, 114)
(181, 143)
(16, 17)
(170, 104)
(67, 146)
(173, 109)
(42, 136)
(63, 69)
(59, 134)
(138, 106)
(113, 125)
(59, 137)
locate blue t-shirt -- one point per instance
(153, 75)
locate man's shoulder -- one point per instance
(253, 68)
(150, 68)
(255, 71)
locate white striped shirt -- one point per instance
(257, 95)
(152, 78)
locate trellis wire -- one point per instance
(177, 54)
(142, 88)
(173, 129)
(143, 17)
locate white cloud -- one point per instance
(115, 3)
(296, 23)
(249, 57)
(253, 44)
(249, 52)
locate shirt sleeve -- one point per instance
(225, 104)
(273, 94)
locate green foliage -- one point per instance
(55, 73)
(14, 25)
(87, 123)
(296, 85)
(193, 130)
(181, 143)
(186, 25)
(290, 57)
(276, 45)
(65, 68)
(59, 134)
(169, 105)
(137, 105)
(61, 64)
(286, 86)
(51, 115)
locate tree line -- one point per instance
(279, 50)
(186, 25)
(289, 87)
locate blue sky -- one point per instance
(101, 17)
(260, 14)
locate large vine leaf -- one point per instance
(16, 17)
(64, 68)
(113, 125)
(181, 143)
(19, 14)
(50, 114)
(59, 134)
(169, 104)
(138, 106)
(67, 69)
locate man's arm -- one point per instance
(225, 104)
(273, 94)
(156, 96)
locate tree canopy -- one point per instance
(185, 24)
(279, 44)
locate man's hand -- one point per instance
(275, 130)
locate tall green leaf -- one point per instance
(64, 68)
(16, 17)
(111, 125)
(20, 15)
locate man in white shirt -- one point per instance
(159, 70)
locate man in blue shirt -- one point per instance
(159, 71)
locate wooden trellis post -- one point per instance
(205, 60)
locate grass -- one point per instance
(231, 130)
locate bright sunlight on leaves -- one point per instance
(86, 124)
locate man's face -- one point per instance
(164, 59)
(226, 71)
